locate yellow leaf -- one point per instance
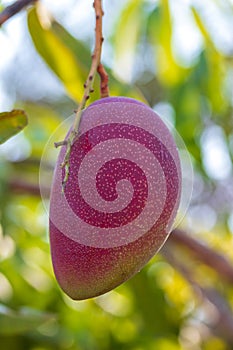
(57, 55)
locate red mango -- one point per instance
(120, 200)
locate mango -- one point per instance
(120, 200)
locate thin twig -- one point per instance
(104, 90)
(88, 88)
(22, 187)
(13, 9)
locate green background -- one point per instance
(183, 298)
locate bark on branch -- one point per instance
(22, 187)
(223, 322)
(104, 90)
(88, 88)
(204, 253)
(13, 9)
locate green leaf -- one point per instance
(11, 123)
(12, 322)
(215, 73)
(161, 30)
(201, 26)
(81, 52)
(57, 54)
(217, 77)
(83, 55)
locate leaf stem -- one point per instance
(96, 57)
(104, 90)
(88, 87)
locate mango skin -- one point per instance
(86, 269)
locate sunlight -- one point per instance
(216, 156)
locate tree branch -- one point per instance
(13, 9)
(104, 90)
(96, 57)
(223, 323)
(88, 88)
(19, 186)
(205, 254)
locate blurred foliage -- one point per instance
(161, 308)
(54, 49)
(11, 123)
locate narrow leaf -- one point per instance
(79, 50)
(169, 72)
(11, 123)
(201, 26)
(12, 322)
(57, 54)
(127, 33)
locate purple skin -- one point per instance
(117, 99)
(86, 270)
